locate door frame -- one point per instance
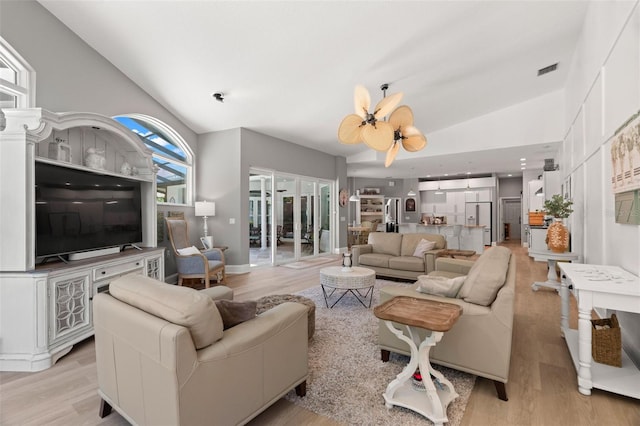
(297, 195)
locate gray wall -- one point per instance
(223, 176)
(510, 187)
(71, 76)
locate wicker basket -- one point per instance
(606, 345)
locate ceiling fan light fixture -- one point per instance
(379, 135)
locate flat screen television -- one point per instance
(79, 211)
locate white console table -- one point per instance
(601, 286)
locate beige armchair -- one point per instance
(163, 357)
(480, 341)
(204, 265)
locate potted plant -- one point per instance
(558, 234)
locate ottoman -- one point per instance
(268, 302)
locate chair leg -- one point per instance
(180, 280)
(301, 389)
(501, 389)
(105, 409)
(384, 355)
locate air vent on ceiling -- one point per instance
(548, 69)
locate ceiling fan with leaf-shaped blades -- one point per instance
(376, 133)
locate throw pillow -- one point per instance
(486, 277)
(188, 251)
(234, 313)
(423, 247)
(440, 286)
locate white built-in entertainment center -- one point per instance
(45, 303)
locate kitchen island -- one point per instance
(471, 236)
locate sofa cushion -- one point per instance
(407, 263)
(386, 243)
(440, 286)
(486, 276)
(179, 305)
(234, 313)
(410, 242)
(423, 247)
(375, 259)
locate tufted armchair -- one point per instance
(191, 262)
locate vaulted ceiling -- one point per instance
(288, 69)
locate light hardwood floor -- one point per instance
(542, 389)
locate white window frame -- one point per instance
(177, 140)
(25, 89)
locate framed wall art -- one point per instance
(410, 205)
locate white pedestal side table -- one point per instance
(438, 317)
(551, 258)
(351, 280)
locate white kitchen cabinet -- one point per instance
(478, 195)
(535, 201)
(537, 237)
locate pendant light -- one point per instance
(439, 191)
(468, 190)
(411, 193)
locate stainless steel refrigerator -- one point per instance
(392, 213)
(479, 213)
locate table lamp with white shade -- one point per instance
(205, 209)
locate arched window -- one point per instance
(17, 80)
(171, 155)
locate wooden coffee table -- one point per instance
(414, 314)
(454, 253)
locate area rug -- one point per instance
(310, 262)
(346, 377)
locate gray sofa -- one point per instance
(480, 341)
(391, 254)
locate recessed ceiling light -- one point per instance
(468, 173)
(446, 174)
(523, 164)
(523, 159)
(509, 175)
(523, 168)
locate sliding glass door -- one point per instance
(297, 212)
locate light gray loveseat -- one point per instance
(391, 254)
(480, 341)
